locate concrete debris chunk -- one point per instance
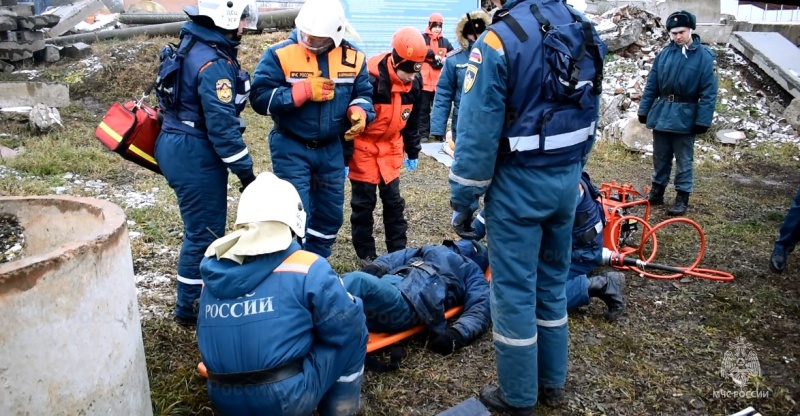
(44, 118)
(16, 94)
(78, 50)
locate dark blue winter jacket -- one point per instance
(438, 279)
(681, 90)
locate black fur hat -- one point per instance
(681, 19)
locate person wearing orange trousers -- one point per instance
(378, 150)
(438, 47)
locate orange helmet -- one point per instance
(408, 46)
(436, 18)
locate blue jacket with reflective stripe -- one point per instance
(212, 86)
(272, 91)
(265, 312)
(513, 105)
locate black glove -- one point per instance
(247, 180)
(373, 269)
(698, 129)
(643, 119)
(447, 342)
(462, 224)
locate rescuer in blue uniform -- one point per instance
(316, 88)
(277, 332)
(451, 80)
(534, 99)
(194, 155)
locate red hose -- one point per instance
(650, 232)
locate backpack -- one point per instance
(574, 54)
(168, 80)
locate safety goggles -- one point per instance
(405, 65)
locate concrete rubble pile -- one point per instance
(635, 36)
(21, 34)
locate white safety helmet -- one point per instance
(226, 14)
(322, 19)
(270, 198)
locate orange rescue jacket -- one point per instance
(378, 151)
(439, 46)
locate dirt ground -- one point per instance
(666, 355)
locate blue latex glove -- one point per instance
(346, 171)
(410, 164)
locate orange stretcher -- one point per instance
(384, 339)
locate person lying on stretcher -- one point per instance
(403, 289)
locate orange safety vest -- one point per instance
(298, 63)
(378, 151)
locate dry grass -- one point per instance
(663, 357)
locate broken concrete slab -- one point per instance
(774, 54)
(72, 14)
(44, 118)
(25, 48)
(15, 55)
(729, 136)
(16, 94)
(78, 50)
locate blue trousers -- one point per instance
(530, 213)
(681, 147)
(199, 178)
(330, 383)
(789, 234)
(318, 176)
(386, 308)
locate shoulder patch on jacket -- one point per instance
(475, 56)
(298, 262)
(493, 41)
(224, 90)
(453, 52)
(469, 77)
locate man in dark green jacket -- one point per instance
(677, 104)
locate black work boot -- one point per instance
(777, 262)
(681, 204)
(656, 194)
(493, 398)
(551, 396)
(608, 288)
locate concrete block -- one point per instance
(72, 14)
(15, 55)
(77, 51)
(21, 36)
(23, 9)
(714, 32)
(9, 2)
(33, 46)
(45, 21)
(17, 94)
(26, 23)
(8, 23)
(50, 54)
